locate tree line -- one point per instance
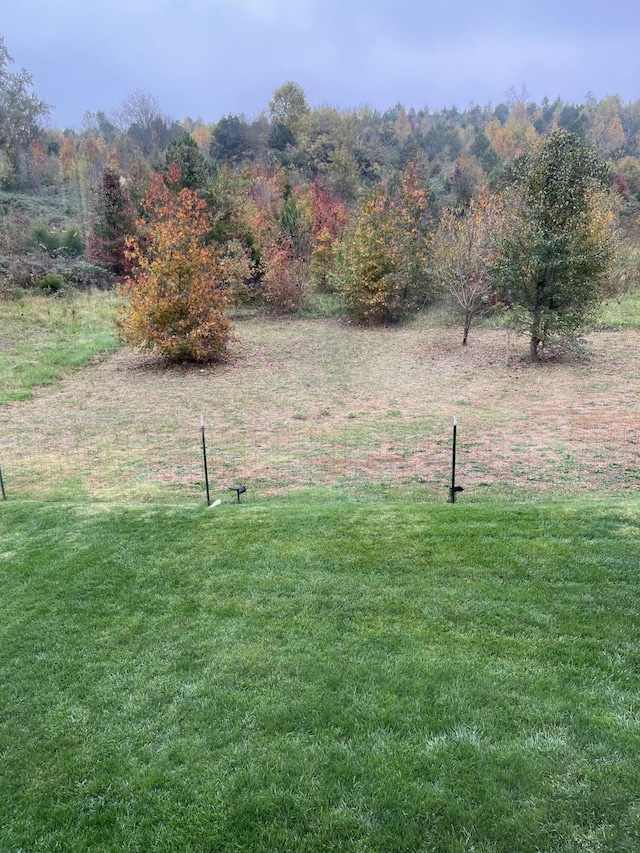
(513, 208)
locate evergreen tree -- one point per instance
(194, 169)
(113, 221)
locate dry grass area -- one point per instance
(320, 403)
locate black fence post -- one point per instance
(204, 458)
(2, 491)
(452, 493)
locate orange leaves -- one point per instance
(284, 286)
(330, 216)
(179, 291)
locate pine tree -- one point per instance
(113, 222)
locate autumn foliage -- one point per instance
(280, 219)
(385, 252)
(376, 214)
(465, 247)
(179, 290)
(330, 217)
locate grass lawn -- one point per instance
(291, 676)
(620, 312)
(43, 338)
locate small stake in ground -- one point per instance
(453, 489)
(204, 457)
(2, 491)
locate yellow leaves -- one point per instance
(517, 135)
(385, 251)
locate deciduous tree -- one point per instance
(384, 254)
(330, 217)
(464, 249)
(140, 118)
(21, 113)
(288, 104)
(179, 291)
(558, 249)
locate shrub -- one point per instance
(82, 274)
(25, 273)
(180, 287)
(284, 281)
(41, 239)
(51, 283)
(14, 221)
(72, 243)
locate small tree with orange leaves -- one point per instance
(330, 216)
(179, 290)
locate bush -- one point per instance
(24, 273)
(51, 283)
(82, 274)
(14, 221)
(180, 287)
(27, 274)
(41, 239)
(284, 284)
(72, 243)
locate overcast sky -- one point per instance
(209, 58)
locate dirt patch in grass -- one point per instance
(320, 403)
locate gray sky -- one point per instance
(209, 58)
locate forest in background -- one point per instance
(298, 202)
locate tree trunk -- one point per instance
(467, 326)
(533, 347)
(535, 340)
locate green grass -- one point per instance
(622, 312)
(42, 338)
(385, 676)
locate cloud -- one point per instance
(269, 11)
(211, 57)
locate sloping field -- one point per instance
(319, 404)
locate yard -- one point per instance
(318, 404)
(341, 660)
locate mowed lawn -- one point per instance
(354, 676)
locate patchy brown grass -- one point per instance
(319, 403)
